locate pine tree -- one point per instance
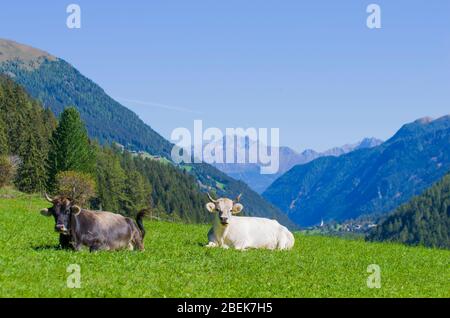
(425, 220)
(50, 120)
(138, 192)
(6, 171)
(70, 149)
(4, 149)
(31, 176)
(14, 111)
(110, 182)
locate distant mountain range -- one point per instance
(250, 172)
(366, 181)
(57, 84)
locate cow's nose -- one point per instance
(60, 227)
(224, 220)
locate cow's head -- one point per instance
(225, 208)
(62, 210)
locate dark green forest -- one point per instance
(39, 147)
(425, 220)
(25, 131)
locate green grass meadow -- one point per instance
(175, 264)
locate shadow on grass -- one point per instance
(47, 248)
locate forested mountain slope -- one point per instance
(425, 220)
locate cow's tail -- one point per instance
(139, 222)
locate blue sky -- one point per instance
(311, 68)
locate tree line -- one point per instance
(40, 153)
(425, 220)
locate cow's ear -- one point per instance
(211, 207)
(46, 212)
(237, 208)
(75, 210)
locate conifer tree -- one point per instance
(110, 182)
(138, 192)
(70, 149)
(425, 220)
(4, 149)
(31, 175)
(6, 171)
(50, 120)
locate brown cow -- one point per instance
(95, 230)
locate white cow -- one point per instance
(244, 232)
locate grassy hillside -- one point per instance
(175, 264)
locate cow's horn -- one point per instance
(211, 199)
(239, 197)
(48, 198)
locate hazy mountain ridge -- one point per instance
(250, 172)
(363, 144)
(366, 181)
